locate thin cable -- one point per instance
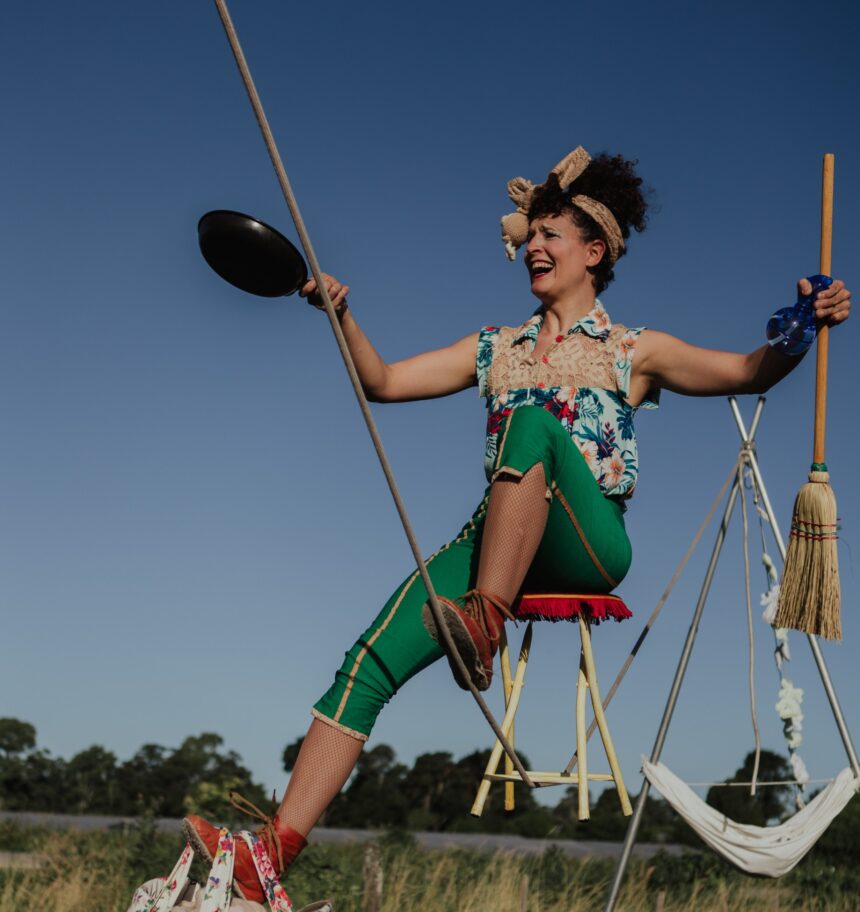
(762, 784)
(656, 612)
(293, 206)
(751, 633)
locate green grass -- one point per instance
(97, 872)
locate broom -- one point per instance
(809, 596)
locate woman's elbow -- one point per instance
(769, 369)
(379, 388)
(759, 388)
(375, 392)
(756, 384)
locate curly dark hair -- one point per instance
(609, 179)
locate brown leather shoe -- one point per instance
(282, 845)
(475, 625)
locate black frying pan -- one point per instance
(250, 254)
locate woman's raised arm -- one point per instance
(666, 362)
(425, 376)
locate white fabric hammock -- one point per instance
(769, 851)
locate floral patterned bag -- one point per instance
(177, 893)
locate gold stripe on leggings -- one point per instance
(363, 652)
(585, 543)
(501, 447)
(364, 649)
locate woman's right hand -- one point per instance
(336, 292)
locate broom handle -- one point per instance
(823, 332)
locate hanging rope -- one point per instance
(293, 206)
(789, 705)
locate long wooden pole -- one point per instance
(822, 350)
(298, 221)
(809, 594)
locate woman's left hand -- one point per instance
(833, 305)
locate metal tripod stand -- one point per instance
(747, 456)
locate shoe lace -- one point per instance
(268, 832)
(474, 604)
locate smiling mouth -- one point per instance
(540, 268)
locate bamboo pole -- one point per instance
(507, 687)
(600, 718)
(584, 811)
(551, 777)
(506, 727)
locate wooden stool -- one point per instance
(584, 609)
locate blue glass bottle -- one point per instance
(792, 330)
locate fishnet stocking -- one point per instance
(325, 761)
(516, 518)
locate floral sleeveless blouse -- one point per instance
(583, 379)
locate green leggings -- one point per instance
(584, 549)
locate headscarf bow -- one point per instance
(515, 226)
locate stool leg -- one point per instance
(507, 723)
(495, 755)
(600, 718)
(507, 687)
(582, 775)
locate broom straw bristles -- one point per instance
(809, 597)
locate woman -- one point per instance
(562, 390)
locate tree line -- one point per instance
(195, 777)
(435, 793)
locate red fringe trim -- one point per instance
(551, 607)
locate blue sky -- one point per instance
(194, 526)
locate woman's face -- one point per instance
(558, 259)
